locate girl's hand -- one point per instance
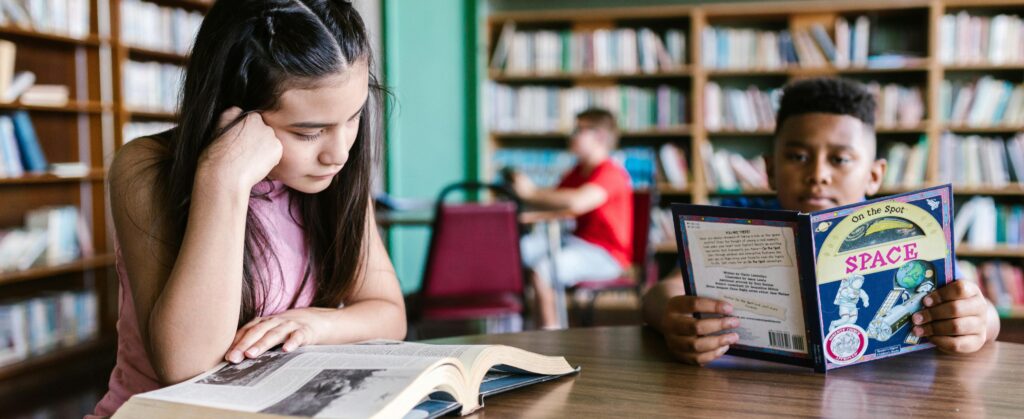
(955, 318)
(245, 153)
(691, 340)
(293, 328)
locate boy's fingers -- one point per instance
(957, 344)
(689, 326)
(954, 327)
(712, 343)
(691, 304)
(954, 291)
(706, 357)
(951, 310)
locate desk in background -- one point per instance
(628, 372)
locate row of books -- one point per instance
(981, 222)
(554, 109)
(984, 102)
(51, 236)
(674, 168)
(546, 167)
(728, 108)
(152, 86)
(1001, 282)
(907, 164)
(980, 161)
(19, 147)
(135, 129)
(727, 171)
(149, 25)
(60, 17)
(745, 48)
(35, 326)
(601, 51)
(966, 39)
(896, 105)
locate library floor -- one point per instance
(73, 400)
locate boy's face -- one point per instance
(589, 139)
(824, 160)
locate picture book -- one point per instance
(825, 289)
(374, 379)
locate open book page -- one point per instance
(315, 383)
(752, 264)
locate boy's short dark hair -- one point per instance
(827, 95)
(600, 117)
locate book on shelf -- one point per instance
(897, 106)
(727, 171)
(600, 51)
(982, 103)
(22, 81)
(825, 289)
(547, 109)
(20, 151)
(375, 379)
(39, 325)
(750, 109)
(674, 169)
(907, 164)
(58, 17)
(976, 161)
(967, 39)
(50, 236)
(1001, 282)
(45, 95)
(149, 25)
(546, 167)
(152, 86)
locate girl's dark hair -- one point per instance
(828, 95)
(246, 54)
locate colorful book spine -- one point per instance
(602, 51)
(32, 156)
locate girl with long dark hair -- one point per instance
(249, 225)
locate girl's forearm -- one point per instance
(364, 320)
(195, 318)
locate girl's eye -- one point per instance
(312, 137)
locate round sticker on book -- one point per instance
(846, 344)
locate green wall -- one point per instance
(429, 65)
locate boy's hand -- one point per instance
(690, 339)
(522, 185)
(955, 318)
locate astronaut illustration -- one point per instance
(849, 294)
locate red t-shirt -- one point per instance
(611, 224)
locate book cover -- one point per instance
(825, 289)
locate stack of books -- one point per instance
(51, 236)
(1001, 282)
(151, 26)
(58, 17)
(982, 103)
(601, 51)
(740, 110)
(546, 167)
(152, 86)
(966, 39)
(36, 326)
(548, 109)
(981, 223)
(907, 164)
(727, 171)
(976, 161)
(897, 106)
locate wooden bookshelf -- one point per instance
(81, 265)
(926, 72)
(93, 175)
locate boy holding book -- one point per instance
(824, 156)
(597, 192)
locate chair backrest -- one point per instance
(474, 247)
(642, 202)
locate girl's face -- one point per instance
(317, 128)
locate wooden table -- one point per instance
(627, 372)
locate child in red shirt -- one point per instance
(597, 191)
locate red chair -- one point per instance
(473, 268)
(642, 272)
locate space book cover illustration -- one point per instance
(824, 289)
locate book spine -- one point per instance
(809, 293)
(31, 153)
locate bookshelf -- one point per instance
(911, 30)
(75, 132)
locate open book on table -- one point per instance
(824, 289)
(386, 379)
